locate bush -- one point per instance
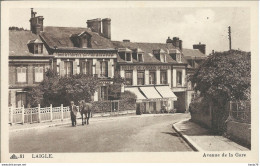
(128, 100)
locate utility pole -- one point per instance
(229, 37)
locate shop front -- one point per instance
(153, 99)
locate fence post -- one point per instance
(111, 108)
(22, 114)
(31, 115)
(39, 113)
(11, 115)
(51, 112)
(61, 110)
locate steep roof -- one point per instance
(60, 37)
(18, 41)
(148, 50)
(192, 53)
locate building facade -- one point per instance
(155, 72)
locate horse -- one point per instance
(86, 109)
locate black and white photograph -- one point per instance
(129, 78)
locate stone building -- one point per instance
(155, 72)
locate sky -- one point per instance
(151, 24)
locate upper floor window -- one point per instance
(179, 78)
(68, 68)
(163, 58)
(35, 46)
(152, 77)
(140, 57)
(38, 73)
(128, 57)
(38, 48)
(86, 67)
(129, 77)
(163, 77)
(21, 74)
(140, 77)
(103, 68)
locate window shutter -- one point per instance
(75, 66)
(98, 68)
(81, 67)
(109, 69)
(62, 73)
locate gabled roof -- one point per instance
(18, 41)
(60, 37)
(192, 53)
(148, 50)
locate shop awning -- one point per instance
(150, 92)
(166, 92)
(136, 91)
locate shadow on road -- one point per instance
(172, 134)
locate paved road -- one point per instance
(144, 133)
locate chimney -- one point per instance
(180, 44)
(201, 47)
(169, 40)
(95, 25)
(177, 42)
(106, 24)
(36, 23)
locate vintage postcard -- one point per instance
(130, 81)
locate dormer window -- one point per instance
(176, 55)
(163, 58)
(125, 54)
(82, 40)
(128, 57)
(140, 57)
(35, 46)
(160, 55)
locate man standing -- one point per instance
(73, 113)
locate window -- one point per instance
(103, 68)
(86, 67)
(21, 74)
(38, 73)
(163, 77)
(38, 48)
(140, 58)
(152, 77)
(128, 57)
(140, 77)
(174, 57)
(152, 106)
(20, 99)
(179, 78)
(129, 77)
(103, 93)
(68, 68)
(163, 58)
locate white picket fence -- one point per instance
(47, 114)
(38, 114)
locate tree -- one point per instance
(58, 90)
(225, 75)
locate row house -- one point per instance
(155, 72)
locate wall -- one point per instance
(240, 132)
(202, 119)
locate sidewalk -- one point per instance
(95, 119)
(200, 139)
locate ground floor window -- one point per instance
(152, 106)
(21, 99)
(103, 93)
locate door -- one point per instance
(20, 99)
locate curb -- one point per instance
(67, 122)
(186, 138)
